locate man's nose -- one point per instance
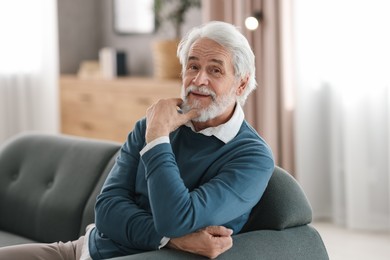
(201, 78)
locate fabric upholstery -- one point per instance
(9, 239)
(299, 243)
(45, 183)
(89, 211)
(283, 205)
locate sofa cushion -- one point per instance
(46, 181)
(283, 205)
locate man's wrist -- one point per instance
(152, 134)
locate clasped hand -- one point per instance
(210, 241)
(163, 117)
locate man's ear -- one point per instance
(242, 86)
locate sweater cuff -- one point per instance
(157, 141)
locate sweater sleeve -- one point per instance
(234, 190)
(118, 216)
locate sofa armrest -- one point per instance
(283, 205)
(301, 243)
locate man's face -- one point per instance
(209, 83)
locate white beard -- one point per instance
(216, 108)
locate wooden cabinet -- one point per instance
(108, 109)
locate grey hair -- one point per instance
(234, 41)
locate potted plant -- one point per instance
(169, 17)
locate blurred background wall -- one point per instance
(84, 27)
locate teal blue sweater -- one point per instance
(178, 188)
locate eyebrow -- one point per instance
(213, 60)
(220, 62)
(193, 58)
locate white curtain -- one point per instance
(342, 55)
(28, 67)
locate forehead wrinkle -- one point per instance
(210, 51)
(221, 62)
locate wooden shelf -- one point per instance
(108, 109)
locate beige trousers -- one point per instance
(55, 251)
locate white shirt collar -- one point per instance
(227, 131)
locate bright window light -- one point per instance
(344, 42)
(20, 27)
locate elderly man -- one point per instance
(192, 170)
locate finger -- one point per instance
(177, 101)
(219, 231)
(222, 244)
(193, 113)
(186, 117)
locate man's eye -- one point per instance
(192, 67)
(216, 71)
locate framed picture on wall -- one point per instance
(133, 17)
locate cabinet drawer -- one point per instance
(93, 104)
(81, 126)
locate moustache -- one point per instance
(201, 90)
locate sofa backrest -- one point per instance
(89, 210)
(283, 205)
(47, 181)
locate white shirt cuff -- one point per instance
(160, 140)
(164, 241)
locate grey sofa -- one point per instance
(48, 186)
